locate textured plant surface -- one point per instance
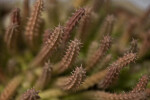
(31, 94)
(74, 50)
(33, 24)
(75, 80)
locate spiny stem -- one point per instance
(69, 58)
(114, 70)
(31, 94)
(142, 84)
(45, 77)
(72, 23)
(84, 24)
(75, 80)
(97, 56)
(99, 95)
(51, 43)
(107, 26)
(15, 16)
(33, 24)
(11, 88)
(12, 32)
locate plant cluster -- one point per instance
(89, 56)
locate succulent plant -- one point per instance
(45, 55)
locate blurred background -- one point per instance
(142, 4)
